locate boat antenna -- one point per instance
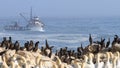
(31, 13)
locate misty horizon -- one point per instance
(67, 8)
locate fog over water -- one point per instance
(61, 8)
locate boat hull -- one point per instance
(36, 28)
(25, 29)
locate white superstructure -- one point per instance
(35, 24)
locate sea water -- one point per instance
(65, 32)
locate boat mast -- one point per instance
(31, 14)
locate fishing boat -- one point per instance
(34, 24)
(15, 27)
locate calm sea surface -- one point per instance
(61, 32)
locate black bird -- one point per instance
(48, 49)
(115, 40)
(10, 40)
(116, 36)
(26, 45)
(42, 50)
(9, 43)
(11, 46)
(79, 50)
(90, 39)
(108, 43)
(64, 49)
(16, 46)
(102, 43)
(4, 42)
(31, 43)
(47, 45)
(36, 46)
(73, 52)
(30, 46)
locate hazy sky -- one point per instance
(61, 8)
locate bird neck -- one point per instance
(114, 62)
(41, 64)
(108, 57)
(37, 60)
(98, 59)
(85, 59)
(59, 61)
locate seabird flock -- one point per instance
(98, 54)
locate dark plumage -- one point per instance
(30, 46)
(16, 46)
(108, 43)
(115, 40)
(26, 45)
(46, 43)
(48, 49)
(3, 52)
(36, 46)
(116, 37)
(11, 46)
(42, 50)
(102, 43)
(9, 43)
(90, 39)
(10, 40)
(4, 42)
(80, 50)
(31, 43)
(97, 49)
